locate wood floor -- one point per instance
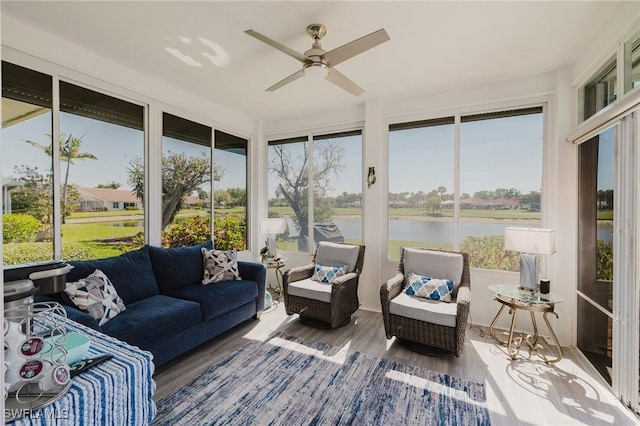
(521, 392)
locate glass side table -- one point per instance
(277, 265)
(516, 299)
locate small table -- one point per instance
(277, 291)
(517, 299)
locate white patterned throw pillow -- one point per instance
(97, 296)
(326, 274)
(429, 288)
(220, 265)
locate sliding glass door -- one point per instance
(596, 281)
(608, 292)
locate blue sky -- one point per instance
(492, 156)
(115, 146)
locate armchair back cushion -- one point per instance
(434, 264)
(333, 254)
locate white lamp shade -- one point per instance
(530, 240)
(272, 226)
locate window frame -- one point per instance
(548, 169)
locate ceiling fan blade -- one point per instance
(340, 80)
(293, 77)
(356, 47)
(279, 46)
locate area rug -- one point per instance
(291, 381)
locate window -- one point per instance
(26, 168)
(433, 203)
(421, 179)
(288, 192)
(337, 187)
(600, 91)
(335, 173)
(101, 144)
(186, 181)
(632, 65)
(230, 195)
(500, 182)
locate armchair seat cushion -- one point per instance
(310, 289)
(421, 309)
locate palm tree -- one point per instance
(69, 151)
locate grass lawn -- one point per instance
(90, 233)
(407, 212)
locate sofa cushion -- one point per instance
(427, 310)
(329, 253)
(152, 319)
(130, 273)
(177, 267)
(220, 298)
(434, 263)
(310, 289)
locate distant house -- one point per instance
(103, 199)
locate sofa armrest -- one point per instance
(81, 317)
(254, 271)
(73, 313)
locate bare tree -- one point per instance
(294, 180)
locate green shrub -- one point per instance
(19, 228)
(20, 253)
(604, 260)
(230, 232)
(193, 230)
(488, 253)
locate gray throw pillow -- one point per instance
(96, 295)
(220, 265)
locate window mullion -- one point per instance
(55, 168)
(456, 184)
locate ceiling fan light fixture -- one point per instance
(316, 70)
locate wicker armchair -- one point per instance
(428, 326)
(325, 305)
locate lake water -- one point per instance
(421, 230)
(440, 232)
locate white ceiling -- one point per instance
(434, 46)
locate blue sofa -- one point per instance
(168, 310)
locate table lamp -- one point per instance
(529, 241)
(270, 228)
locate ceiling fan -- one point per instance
(319, 63)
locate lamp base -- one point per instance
(528, 272)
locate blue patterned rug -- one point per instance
(291, 381)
